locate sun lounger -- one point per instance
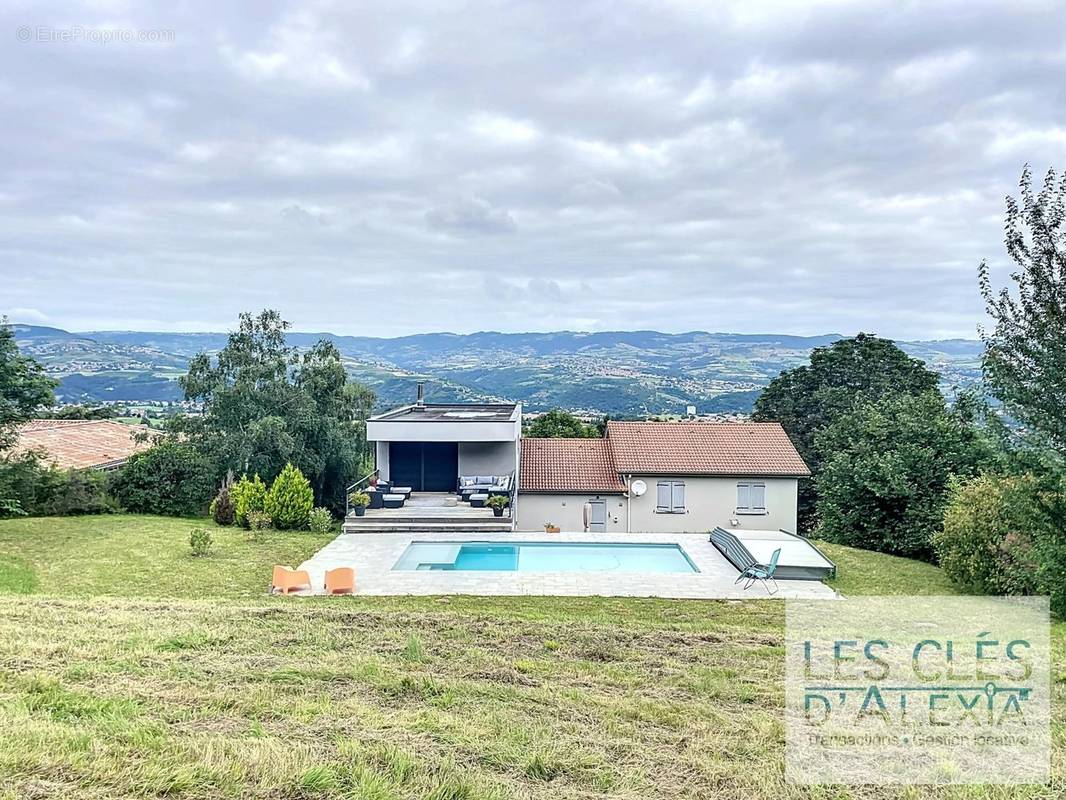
(340, 580)
(761, 572)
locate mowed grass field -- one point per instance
(139, 688)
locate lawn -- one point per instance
(380, 698)
(137, 556)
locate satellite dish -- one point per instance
(638, 488)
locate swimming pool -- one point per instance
(544, 557)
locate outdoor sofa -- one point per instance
(483, 484)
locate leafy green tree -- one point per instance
(290, 500)
(171, 478)
(24, 388)
(808, 399)
(560, 424)
(886, 469)
(266, 405)
(247, 495)
(1025, 352)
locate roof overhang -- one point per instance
(447, 423)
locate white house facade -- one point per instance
(663, 477)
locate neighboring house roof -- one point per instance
(568, 466)
(703, 448)
(77, 443)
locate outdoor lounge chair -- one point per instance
(393, 500)
(377, 499)
(761, 572)
(288, 580)
(387, 487)
(340, 580)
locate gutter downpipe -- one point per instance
(629, 505)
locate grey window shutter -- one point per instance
(662, 498)
(743, 496)
(758, 496)
(678, 499)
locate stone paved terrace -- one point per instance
(373, 556)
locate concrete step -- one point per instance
(486, 518)
(390, 526)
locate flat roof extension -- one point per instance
(451, 412)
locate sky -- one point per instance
(403, 167)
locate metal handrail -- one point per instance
(353, 487)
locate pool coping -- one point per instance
(372, 556)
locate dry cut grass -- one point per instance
(403, 698)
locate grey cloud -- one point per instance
(301, 216)
(729, 166)
(470, 215)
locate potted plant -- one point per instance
(359, 501)
(551, 527)
(498, 502)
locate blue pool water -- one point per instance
(544, 557)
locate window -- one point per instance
(670, 497)
(751, 498)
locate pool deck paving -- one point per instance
(373, 556)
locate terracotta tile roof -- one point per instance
(81, 443)
(703, 448)
(568, 466)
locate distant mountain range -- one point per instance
(620, 373)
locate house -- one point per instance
(641, 477)
(663, 477)
(83, 444)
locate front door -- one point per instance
(598, 516)
(424, 466)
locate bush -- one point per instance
(259, 521)
(320, 520)
(222, 509)
(986, 545)
(290, 499)
(248, 495)
(200, 542)
(37, 488)
(171, 478)
(1002, 535)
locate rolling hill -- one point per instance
(619, 373)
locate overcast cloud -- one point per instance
(400, 167)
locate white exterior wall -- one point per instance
(486, 458)
(565, 510)
(443, 430)
(382, 463)
(711, 502)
